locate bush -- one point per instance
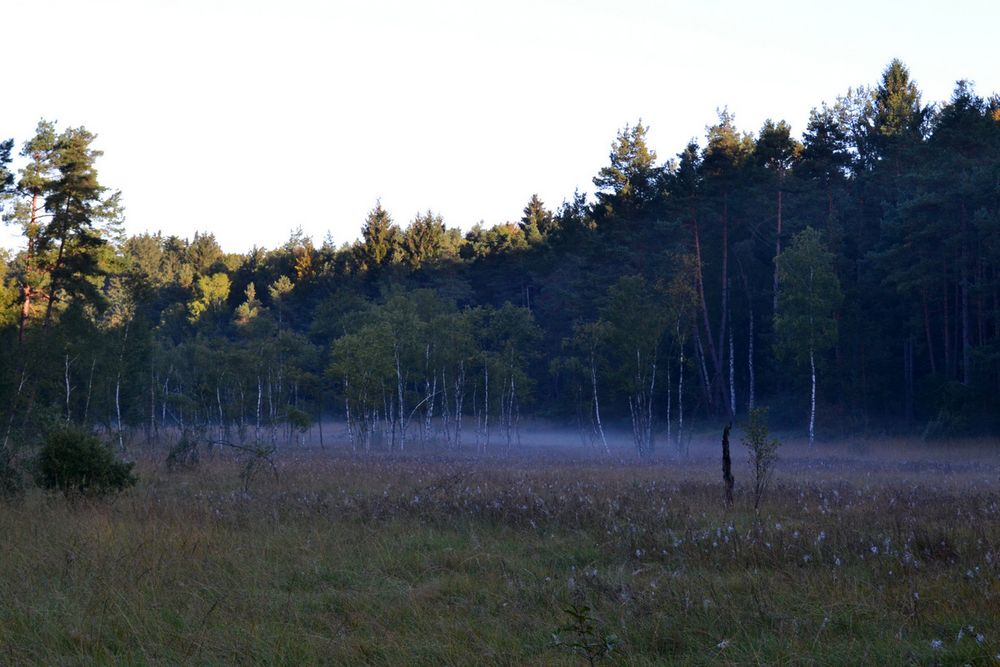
(76, 462)
(11, 484)
(763, 453)
(185, 453)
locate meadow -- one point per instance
(864, 553)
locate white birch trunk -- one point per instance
(69, 388)
(670, 413)
(750, 374)
(486, 407)
(732, 376)
(680, 399)
(812, 402)
(597, 404)
(260, 396)
(459, 399)
(402, 407)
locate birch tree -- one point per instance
(637, 317)
(807, 304)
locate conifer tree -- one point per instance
(379, 239)
(628, 184)
(77, 203)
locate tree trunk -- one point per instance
(727, 466)
(597, 403)
(812, 401)
(260, 396)
(751, 379)
(319, 418)
(777, 252)
(964, 277)
(908, 378)
(399, 390)
(700, 354)
(680, 398)
(927, 332)
(724, 310)
(486, 407)
(69, 388)
(90, 389)
(700, 279)
(732, 375)
(949, 365)
(52, 282)
(28, 267)
(459, 399)
(670, 412)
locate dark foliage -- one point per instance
(77, 463)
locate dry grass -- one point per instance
(457, 561)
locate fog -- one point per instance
(552, 443)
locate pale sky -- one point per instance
(249, 118)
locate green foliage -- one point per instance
(249, 309)
(537, 222)
(6, 175)
(898, 115)
(893, 208)
(11, 475)
(257, 458)
(338, 537)
(298, 419)
(185, 453)
(76, 462)
(211, 293)
(775, 149)
(762, 453)
(380, 239)
(581, 636)
(427, 240)
(628, 184)
(808, 298)
(204, 253)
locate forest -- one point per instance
(849, 279)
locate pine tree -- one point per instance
(628, 185)
(33, 186)
(776, 153)
(77, 203)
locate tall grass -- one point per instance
(391, 561)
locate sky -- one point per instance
(251, 118)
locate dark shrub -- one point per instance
(11, 484)
(185, 453)
(76, 462)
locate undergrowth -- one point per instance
(386, 562)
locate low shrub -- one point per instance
(11, 480)
(76, 462)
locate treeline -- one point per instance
(850, 276)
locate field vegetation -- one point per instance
(859, 554)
